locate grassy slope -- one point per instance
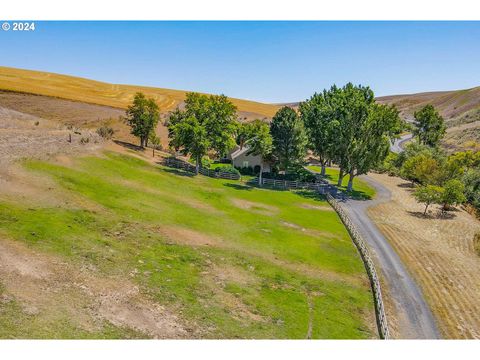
(289, 268)
(96, 92)
(361, 189)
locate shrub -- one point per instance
(37, 123)
(228, 169)
(246, 170)
(453, 194)
(84, 140)
(476, 243)
(105, 132)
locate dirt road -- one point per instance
(412, 317)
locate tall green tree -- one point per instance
(429, 126)
(191, 137)
(289, 139)
(319, 115)
(261, 144)
(247, 131)
(361, 130)
(142, 116)
(216, 114)
(206, 123)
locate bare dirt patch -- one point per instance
(259, 208)
(188, 237)
(51, 286)
(311, 232)
(440, 254)
(317, 207)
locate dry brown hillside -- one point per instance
(101, 93)
(85, 103)
(457, 107)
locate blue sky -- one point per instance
(263, 61)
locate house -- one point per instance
(241, 159)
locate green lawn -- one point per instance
(361, 189)
(291, 258)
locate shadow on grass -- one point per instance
(239, 187)
(310, 194)
(129, 145)
(406, 185)
(428, 215)
(178, 172)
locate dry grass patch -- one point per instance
(256, 207)
(440, 254)
(317, 207)
(185, 236)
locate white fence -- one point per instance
(319, 187)
(369, 266)
(180, 164)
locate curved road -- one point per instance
(397, 146)
(415, 319)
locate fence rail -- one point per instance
(320, 187)
(369, 266)
(181, 164)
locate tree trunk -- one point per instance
(340, 178)
(153, 151)
(197, 165)
(323, 168)
(260, 175)
(350, 181)
(425, 211)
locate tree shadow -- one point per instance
(178, 172)
(437, 215)
(406, 185)
(129, 145)
(239, 187)
(310, 194)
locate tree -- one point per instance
(358, 134)
(155, 141)
(429, 126)
(288, 138)
(429, 194)
(247, 131)
(215, 113)
(193, 138)
(371, 142)
(421, 168)
(453, 194)
(261, 144)
(319, 114)
(142, 117)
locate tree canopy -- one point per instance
(207, 123)
(429, 126)
(142, 116)
(288, 138)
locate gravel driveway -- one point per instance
(415, 319)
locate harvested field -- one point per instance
(440, 254)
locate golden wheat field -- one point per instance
(101, 93)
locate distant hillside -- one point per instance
(457, 107)
(114, 95)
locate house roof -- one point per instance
(239, 152)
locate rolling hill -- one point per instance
(457, 107)
(101, 93)
(85, 103)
